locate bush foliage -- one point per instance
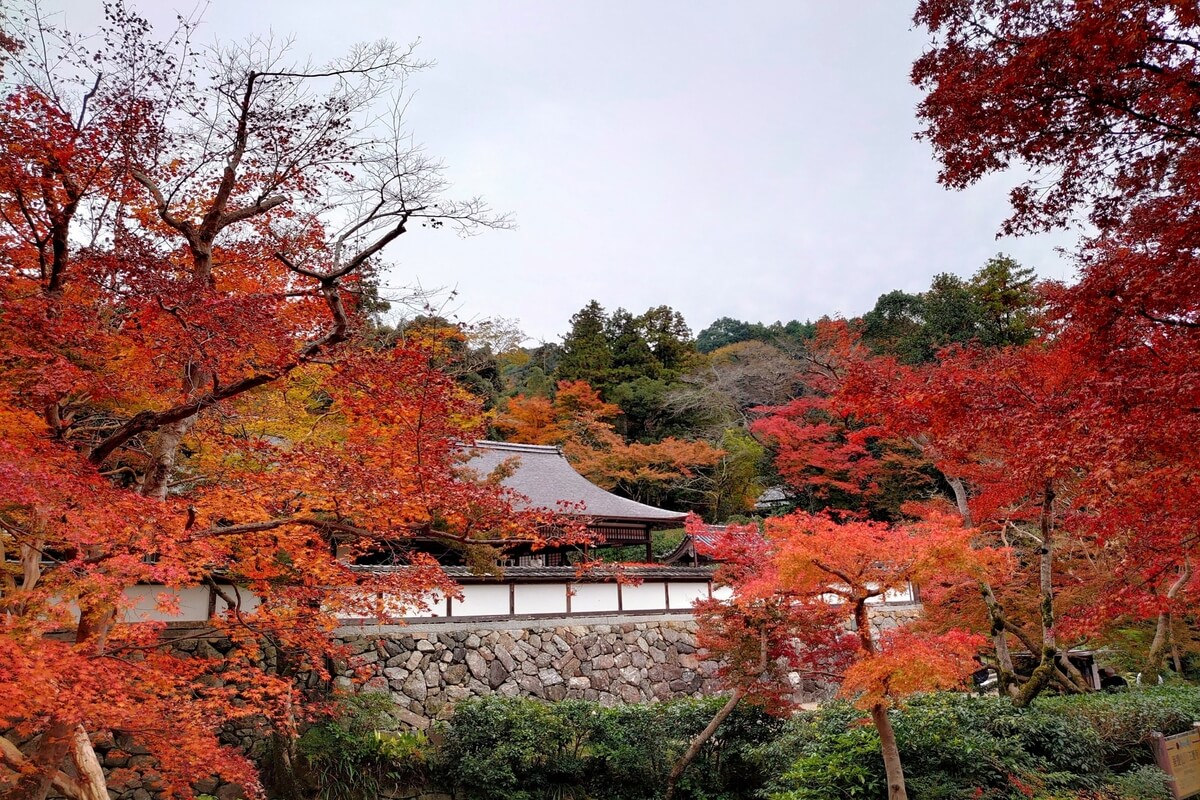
(959, 746)
(355, 756)
(953, 746)
(516, 749)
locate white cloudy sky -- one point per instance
(753, 160)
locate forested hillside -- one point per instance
(711, 422)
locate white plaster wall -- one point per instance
(435, 607)
(593, 597)
(684, 594)
(481, 601)
(192, 601)
(246, 600)
(904, 595)
(478, 600)
(643, 597)
(540, 598)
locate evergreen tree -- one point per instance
(723, 332)
(952, 314)
(586, 353)
(996, 307)
(895, 326)
(632, 357)
(1008, 301)
(669, 338)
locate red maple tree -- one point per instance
(188, 394)
(1098, 100)
(831, 453)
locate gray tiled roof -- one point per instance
(546, 478)
(597, 574)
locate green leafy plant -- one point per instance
(519, 749)
(1142, 783)
(1124, 721)
(354, 756)
(955, 745)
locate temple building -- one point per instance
(547, 480)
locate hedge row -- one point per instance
(953, 746)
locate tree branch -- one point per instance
(160, 203)
(15, 760)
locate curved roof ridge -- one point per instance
(489, 444)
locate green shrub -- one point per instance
(1123, 721)
(955, 746)
(354, 756)
(515, 749)
(1142, 783)
(640, 744)
(519, 749)
(847, 765)
(952, 745)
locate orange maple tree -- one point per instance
(794, 586)
(580, 422)
(188, 397)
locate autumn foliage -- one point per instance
(190, 396)
(797, 602)
(1098, 101)
(1070, 444)
(580, 422)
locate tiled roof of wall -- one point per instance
(559, 574)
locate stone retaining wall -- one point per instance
(429, 668)
(887, 616)
(428, 671)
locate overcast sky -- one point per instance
(753, 160)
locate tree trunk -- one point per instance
(999, 630)
(90, 775)
(1162, 628)
(157, 479)
(43, 764)
(960, 500)
(694, 748)
(891, 753)
(1044, 672)
(1176, 659)
(879, 714)
(1038, 681)
(999, 625)
(1074, 676)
